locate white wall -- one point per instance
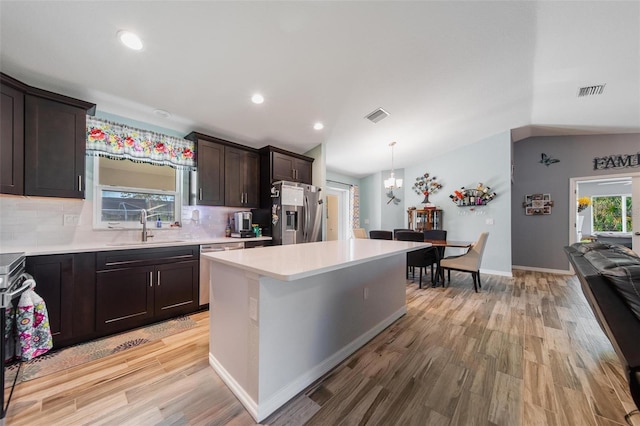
(370, 199)
(318, 171)
(487, 161)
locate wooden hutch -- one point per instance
(424, 219)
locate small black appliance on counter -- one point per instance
(262, 217)
(242, 234)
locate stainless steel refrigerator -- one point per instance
(296, 213)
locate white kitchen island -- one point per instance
(283, 316)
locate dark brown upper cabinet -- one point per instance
(277, 164)
(12, 141)
(209, 178)
(52, 128)
(228, 174)
(242, 178)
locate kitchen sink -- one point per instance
(145, 243)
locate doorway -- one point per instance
(337, 212)
(616, 193)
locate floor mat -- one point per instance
(72, 356)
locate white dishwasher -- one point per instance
(204, 265)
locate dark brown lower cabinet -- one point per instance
(90, 295)
(124, 298)
(138, 287)
(176, 289)
(132, 297)
(66, 283)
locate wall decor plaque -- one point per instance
(536, 204)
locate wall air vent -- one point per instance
(591, 90)
(377, 115)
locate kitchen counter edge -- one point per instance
(95, 247)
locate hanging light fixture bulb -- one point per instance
(392, 182)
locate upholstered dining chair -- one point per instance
(381, 235)
(468, 262)
(395, 232)
(419, 258)
(359, 233)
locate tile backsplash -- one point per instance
(40, 222)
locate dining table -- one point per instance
(450, 243)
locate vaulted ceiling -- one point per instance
(449, 73)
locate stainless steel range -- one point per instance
(11, 266)
(12, 285)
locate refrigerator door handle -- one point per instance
(305, 224)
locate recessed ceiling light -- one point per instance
(318, 126)
(130, 40)
(257, 98)
(162, 113)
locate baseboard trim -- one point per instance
(234, 386)
(492, 272)
(550, 271)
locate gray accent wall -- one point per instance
(538, 241)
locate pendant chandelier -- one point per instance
(392, 182)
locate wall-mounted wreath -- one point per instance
(426, 185)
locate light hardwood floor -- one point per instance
(523, 351)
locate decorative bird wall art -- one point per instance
(547, 160)
(393, 198)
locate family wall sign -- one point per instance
(616, 161)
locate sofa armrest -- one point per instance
(616, 319)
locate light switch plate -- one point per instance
(253, 309)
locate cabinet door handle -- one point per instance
(150, 279)
(200, 194)
(158, 279)
(79, 182)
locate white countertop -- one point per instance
(292, 262)
(125, 245)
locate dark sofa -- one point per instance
(610, 279)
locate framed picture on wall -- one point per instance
(537, 204)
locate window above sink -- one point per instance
(123, 187)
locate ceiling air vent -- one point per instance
(377, 115)
(591, 90)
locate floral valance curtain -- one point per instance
(118, 141)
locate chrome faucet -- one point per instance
(143, 220)
(144, 215)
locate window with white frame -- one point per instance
(123, 188)
(612, 213)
